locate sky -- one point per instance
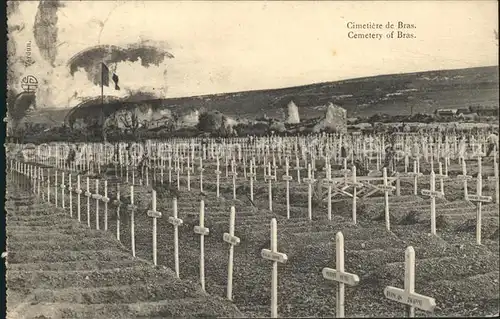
(236, 46)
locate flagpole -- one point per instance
(102, 101)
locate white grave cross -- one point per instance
(310, 181)
(464, 177)
(287, 178)
(232, 241)
(432, 193)
(340, 275)
(174, 220)
(479, 199)
(153, 213)
(275, 256)
(97, 198)
(202, 231)
(408, 296)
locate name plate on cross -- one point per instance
(340, 276)
(309, 180)
(386, 188)
(201, 230)
(430, 193)
(287, 178)
(175, 221)
(479, 198)
(96, 196)
(441, 176)
(410, 298)
(233, 240)
(274, 256)
(464, 177)
(269, 177)
(154, 214)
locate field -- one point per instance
(88, 273)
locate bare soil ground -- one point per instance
(59, 268)
(462, 276)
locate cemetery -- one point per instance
(268, 227)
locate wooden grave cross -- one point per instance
(345, 171)
(441, 177)
(251, 175)
(178, 171)
(88, 194)
(39, 181)
(232, 240)
(432, 193)
(355, 184)
(408, 296)
(153, 213)
(464, 177)
(269, 177)
(297, 167)
(176, 222)
(117, 202)
(218, 173)
(340, 275)
(275, 256)
(55, 187)
(274, 165)
(78, 192)
(479, 199)
(201, 169)
(287, 178)
(386, 188)
(233, 174)
(97, 198)
(202, 231)
(105, 199)
(189, 169)
(415, 175)
(132, 207)
(70, 190)
(310, 181)
(245, 166)
(169, 168)
(329, 182)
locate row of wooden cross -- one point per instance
(338, 185)
(405, 296)
(416, 147)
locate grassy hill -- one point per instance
(394, 94)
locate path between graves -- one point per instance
(58, 268)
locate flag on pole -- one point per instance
(105, 77)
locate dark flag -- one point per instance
(105, 77)
(115, 79)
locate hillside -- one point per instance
(392, 94)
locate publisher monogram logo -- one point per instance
(29, 84)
